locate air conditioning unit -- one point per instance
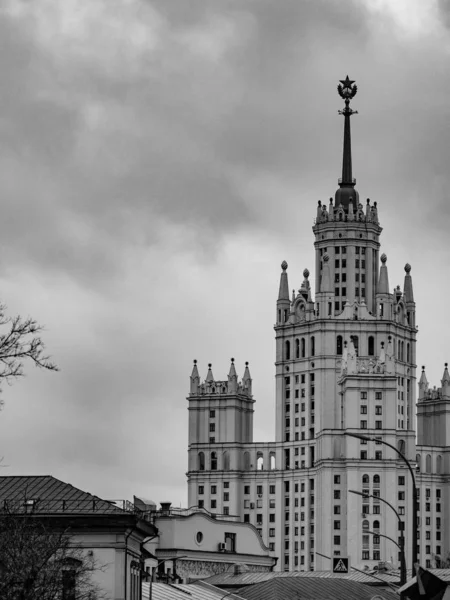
(222, 547)
(252, 505)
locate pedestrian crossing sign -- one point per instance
(340, 565)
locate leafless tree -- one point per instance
(20, 343)
(40, 561)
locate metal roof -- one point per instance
(297, 588)
(229, 579)
(192, 591)
(44, 494)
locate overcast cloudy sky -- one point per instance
(158, 161)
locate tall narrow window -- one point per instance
(371, 350)
(201, 461)
(287, 352)
(339, 344)
(313, 346)
(213, 461)
(297, 348)
(408, 353)
(303, 345)
(260, 461)
(356, 343)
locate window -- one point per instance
(363, 409)
(272, 518)
(226, 485)
(313, 346)
(213, 461)
(287, 350)
(337, 524)
(213, 504)
(337, 479)
(337, 510)
(378, 395)
(363, 395)
(69, 577)
(272, 532)
(214, 489)
(378, 424)
(201, 503)
(363, 424)
(337, 494)
(371, 346)
(339, 343)
(212, 414)
(365, 555)
(378, 455)
(201, 461)
(226, 496)
(246, 489)
(363, 454)
(378, 410)
(212, 427)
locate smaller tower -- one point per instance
(408, 296)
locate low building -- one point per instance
(110, 533)
(193, 543)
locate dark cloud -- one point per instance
(158, 161)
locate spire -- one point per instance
(445, 377)
(209, 376)
(283, 294)
(383, 282)
(195, 379)
(247, 380)
(346, 192)
(232, 378)
(408, 287)
(423, 384)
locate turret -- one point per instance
(384, 298)
(195, 379)
(423, 385)
(283, 302)
(232, 379)
(408, 296)
(247, 380)
(445, 382)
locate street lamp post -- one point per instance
(415, 507)
(401, 546)
(160, 562)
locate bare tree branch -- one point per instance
(20, 343)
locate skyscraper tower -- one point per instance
(345, 363)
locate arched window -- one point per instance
(371, 348)
(201, 461)
(213, 461)
(297, 348)
(376, 481)
(303, 345)
(272, 461)
(438, 463)
(226, 461)
(403, 351)
(356, 343)
(428, 463)
(313, 346)
(339, 345)
(408, 353)
(246, 461)
(376, 525)
(365, 479)
(418, 461)
(365, 524)
(401, 446)
(260, 461)
(287, 350)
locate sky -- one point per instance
(159, 159)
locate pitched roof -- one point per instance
(297, 588)
(48, 495)
(229, 579)
(192, 591)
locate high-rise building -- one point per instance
(345, 364)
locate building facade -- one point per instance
(345, 364)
